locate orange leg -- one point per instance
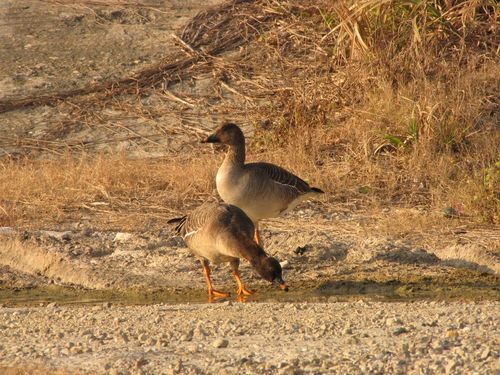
(257, 237)
(242, 290)
(211, 291)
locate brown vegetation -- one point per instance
(382, 103)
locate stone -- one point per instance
(220, 343)
(450, 366)
(485, 354)
(7, 231)
(451, 334)
(122, 237)
(59, 236)
(399, 331)
(393, 321)
(141, 362)
(143, 337)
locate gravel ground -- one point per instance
(283, 338)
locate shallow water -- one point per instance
(331, 291)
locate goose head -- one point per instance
(228, 134)
(270, 270)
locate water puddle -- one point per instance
(331, 291)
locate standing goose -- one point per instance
(220, 232)
(261, 190)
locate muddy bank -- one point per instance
(323, 260)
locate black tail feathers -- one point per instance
(179, 221)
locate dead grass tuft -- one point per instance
(116, 192)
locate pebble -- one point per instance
(451, 334)
(7, 231)
(399, 330)
(485, 353)
(122, 237)
(59, 236)
(220, 343)
(450, 365)
(141, 362)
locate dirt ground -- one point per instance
(333, 256)
(253, 338)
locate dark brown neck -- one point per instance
(235, 155)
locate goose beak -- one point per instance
(281, 284)
(211, 139)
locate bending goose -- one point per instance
(220, 232)
(261, 190)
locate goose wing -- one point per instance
(196, 220)
(280, 176)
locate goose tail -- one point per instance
(179, 223)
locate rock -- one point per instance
(284, 264)
(122, 237)
(199, 331)
(187, 336)
(76, 350)
(290, 370)
(220, 343)
(347, 331)
(122, 337)
(450, 366)
(59, 236)
(485, 354)
(450, 212)
(399, 331)
(7, 231)
(52, 305)
(87, 332)
(161, 343)
(451, 334)
(106, 305)
(393, 321)
(300, 250)
(141, 362)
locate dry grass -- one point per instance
(114, 192)
(381, 103)
(403, 110)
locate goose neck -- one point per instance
(235, 155)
